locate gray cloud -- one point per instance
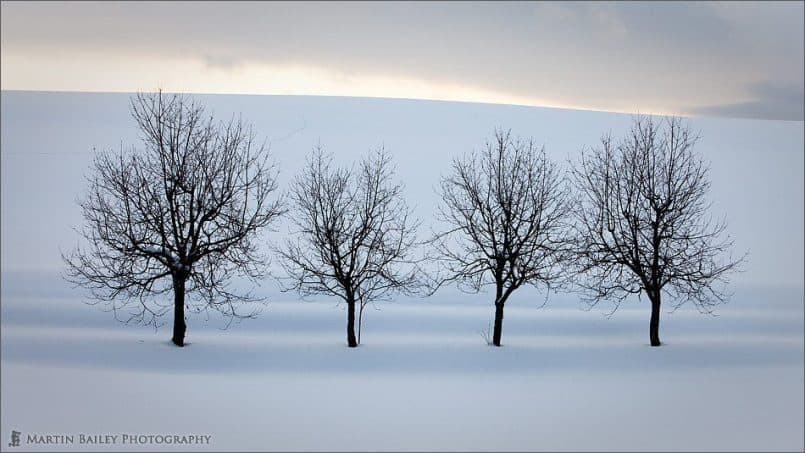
(221, 61)
(623, 55)
(771, 101)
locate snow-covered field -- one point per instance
(423, 379)
(566, 379)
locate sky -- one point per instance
(725, 59)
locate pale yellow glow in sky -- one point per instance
(37, 72)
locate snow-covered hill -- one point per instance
(566, 379)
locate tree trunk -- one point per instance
(654, 324)
(351, 342)
(179, 326)
(360, 322)
(498, 323)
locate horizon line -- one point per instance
(403, 98)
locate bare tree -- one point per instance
(354, 234)
(505, 207)
(642, 223)
(180, 214)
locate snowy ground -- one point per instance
(566, 379)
